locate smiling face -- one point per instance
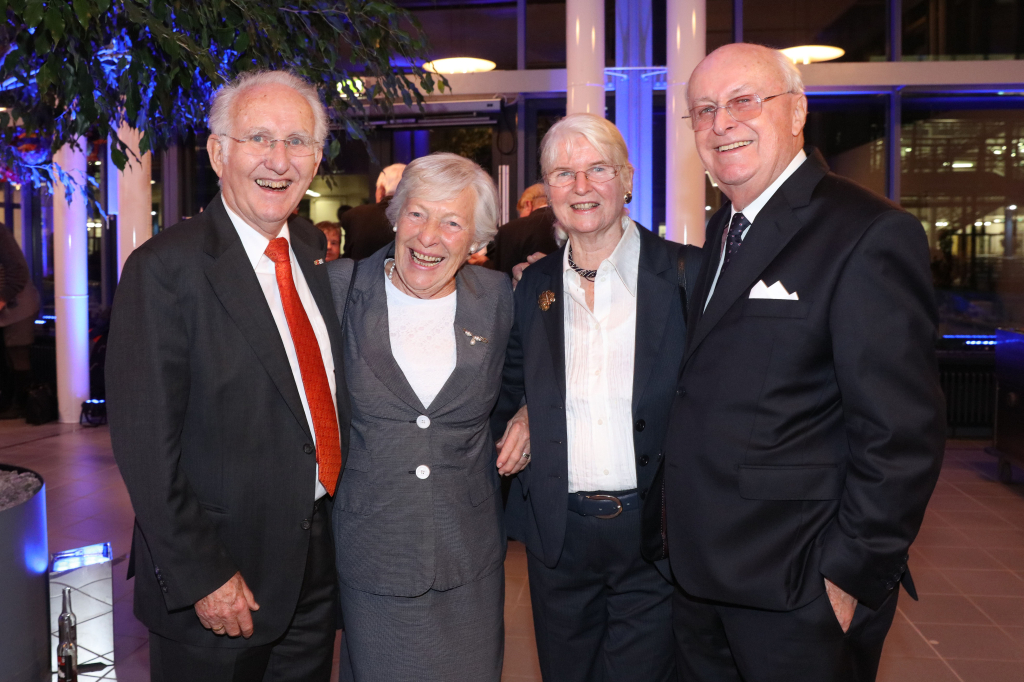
(585, 207)
(745, 157)
(433, 240)
(264, 190)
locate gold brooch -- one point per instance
(473, 338)
(318, 261)
(546, 299)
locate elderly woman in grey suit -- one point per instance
(418, 525)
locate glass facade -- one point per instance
(963, 29)
(857, 26)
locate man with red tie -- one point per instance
(224, 389)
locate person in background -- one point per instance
(807, 427)
(419, 528)
(534, 231)
(333, 233)
(227, 408)
(595, 349)
(19, 305)
(367, 227)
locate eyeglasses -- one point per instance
(261, 145)
(565, 177)
(742, 108)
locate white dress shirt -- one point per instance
(422, 332)
(599, 349)
(751, 211)
(255, 244)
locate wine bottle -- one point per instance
(67, 643)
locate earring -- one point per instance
(394, 228)
(628, 198)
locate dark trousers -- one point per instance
(603, 613)
(718, 642)
(303, 654)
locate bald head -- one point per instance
(745, 157)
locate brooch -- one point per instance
(473, 338)
(318, 261)
(546, 299)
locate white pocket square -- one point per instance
(775, 291)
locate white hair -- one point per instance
(602, 135)
(390, 177)
(443, 176)
(223, 103)
(791, 78)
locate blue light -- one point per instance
(970, 336)
(71, 559)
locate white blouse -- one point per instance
(422, 339)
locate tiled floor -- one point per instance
(968, 562)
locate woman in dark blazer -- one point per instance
(595, 350)
(419, 533)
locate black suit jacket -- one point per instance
(806, 435)
(535, 369)
(367, 229)
(208, 428)
(522, 237)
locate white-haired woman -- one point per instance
(418, 525)
(596, 346)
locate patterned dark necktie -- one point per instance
(734, 238)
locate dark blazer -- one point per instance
(396, 533)
(535, 369)
(208, 428)
(522, 237)
(367, 229)
(806, 435)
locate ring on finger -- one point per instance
(525, 455)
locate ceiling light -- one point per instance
(312, 193)
(459, 65)
(1012, 207)
(963, 164)
(941, 223)
(805, 54)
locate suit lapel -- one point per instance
(369, 319)
(554, 317)
(657, 288)
(471, 314)
(234, 282)
(774, 227)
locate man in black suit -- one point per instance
(532, 232)
(807, 430)
(367, 227)
(224, 377)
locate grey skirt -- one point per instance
(455, 635)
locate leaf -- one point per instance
(33, 13)
(103, 6)
(55, 23)
(118, 157)
(81, 8)
(335, 149)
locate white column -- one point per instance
(71, 285)
(584, 56)
(135, 198)
(684, 174)
(634, 98)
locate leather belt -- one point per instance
(602, 505)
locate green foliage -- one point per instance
(84, 67)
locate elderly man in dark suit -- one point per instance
(224, 376)
(806, 433)
(367, 227)
(532, 232)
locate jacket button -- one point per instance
(305, 524)
(422, 472)
(640, 424)
(680, 392)
(308, 449)
(644, 459)
(423, 421)
(889, 585)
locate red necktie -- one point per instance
(311, 366)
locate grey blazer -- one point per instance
(397, 533)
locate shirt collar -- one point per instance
(751, 211)
(253, 241)
(624, 260)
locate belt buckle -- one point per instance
(607, 497)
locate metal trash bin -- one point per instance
(24, 589)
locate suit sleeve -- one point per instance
(147, 376)
(883, 325)
(513, 388)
